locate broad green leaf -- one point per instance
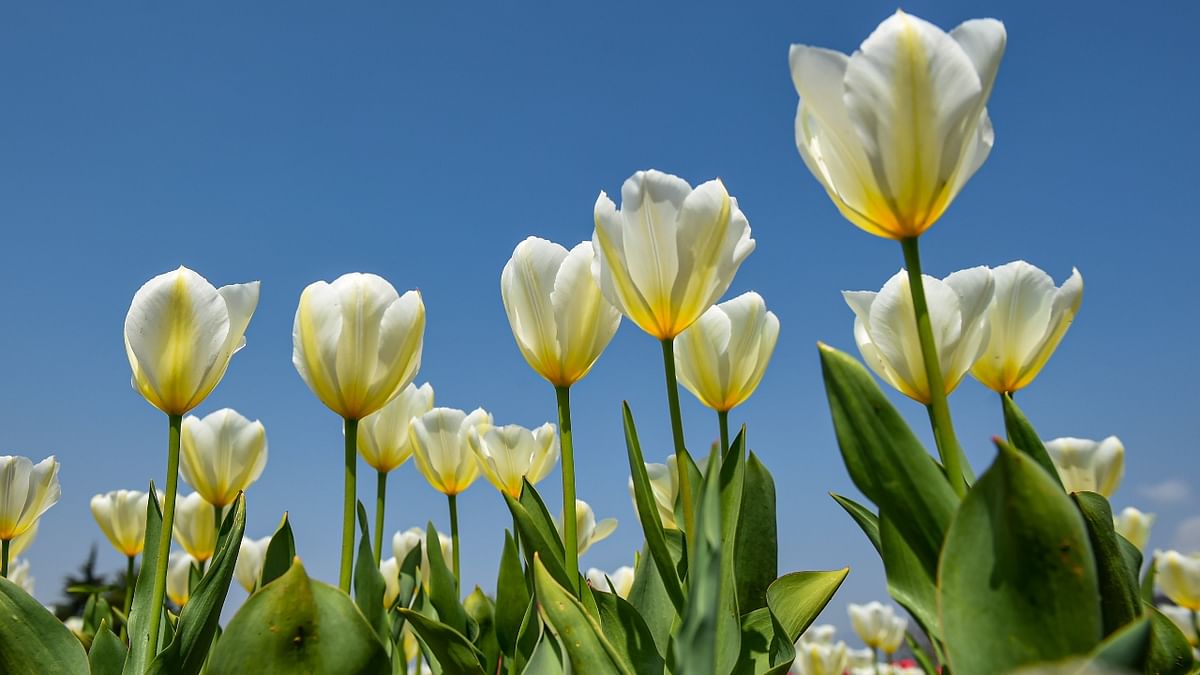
(546, 658)
(1126, 649)
(280, 552)
(529, 638)
(649, 595)
(922, 657)
(1023, 437)
(765, 647)
(797, 599)
(752, 527)
(482, 612)
(543, 520)
(443, 589)
(107, 654)
(535, 541)
(369, 585)
(140, 650)
(1170, 653)
(1017, 583)
(299, 625)
(95, 612)
(32, 640)
(866, 519)
(628, 633)
(512, 597)
(452, 649)
(757, 561)
(698, 643)
(1120, 599)
(908, 581)
(1148, 581)
(580, 636)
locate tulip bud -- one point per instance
(1178, 577)
(670, 251)
(894, 130)
(403, 542)
(560, 320)
(1184, 619)
(816, 658)
(442, 449)
(860, 660)
(194, 527)
(664, 484)
(179, 571)
(357, 343)
(512, 454)
(819, 634)
(1088, 466)
(722, 357)
(587, 530)
(390, 571)
(1027, 319)
(383, 436)
(885, 328)
(29, 490)
(878, 626)
(1134, 526)
(621, 580)
(222, 454)
(180, 333)
(121, 515)
(252, 555)
(18, 573)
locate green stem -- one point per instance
(939, 411)
(380, 499)
(128, 596)
(453, 499)
(516, 537)
(349, 494)
(159, 589)
(723, 420)
(682, 460)
(4, 558)
(567, 446)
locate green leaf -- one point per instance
(797, 599)
(280, 552)
(908, 581)
(140, 650)
(529, 638)
(647, 512)
(1126, 649)
(199, 618)
(1017, 583)
(628, 633)
(299, 625)
(757, 561)
(95, 612)
(443, 589)
(482, 612)
(107, 654)
(546, 658)
(649, 595)
(1120, 599)
(1170, 653)
(753, 527)
(536, 540)
(582, 639)
(866, 519)
(512, 597)
(1148, 580)
(369, 586)
(1023, 437)
(765, 647)
(32, 640)
(695, 647)
(452, 649)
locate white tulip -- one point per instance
(860, 659)
(512, 454)
(1027, 319)
(442, 450)
(252, 554)
(885, 328)
(894, 130)
(180, 333)
(179, 570)
(1134, 525)
(18, 573)
(222, 454)
(878, 626)
(722, 357)
(383, 438)
(23, 541)
(621, 579)
(560, 320)
(390, 571)
(75, 625)
(670, 251)
(819, 634)
(195, 528)
(1184, 619)
(818, 658)
(1178, 577)
(27, 490)
(121, 515)
(664, 485)
(357, 343)
(1088, 466)
(587, 530)
(403, 542)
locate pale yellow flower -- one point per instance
(179, 569)
(194, 527)
(512, 454)
(1088, 466)
(722, 357)
(252, 555)
(222, 454)
(121, 515)
(383, 437)
(27, 490)
(621, 579)
(442, 450)
(1178, 577)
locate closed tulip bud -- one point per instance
(28, 491)
(180, 333)
(878, 626)
(558, 316)
(670, 251)
(819, 634)
(121, 515)
(1027, 320)
(179, 571)
(894, 130)
(252, 554)
(722, 357)
(442, 449)
(816, 658)
(357, 343)
(194, 528)
(1178, 578)
(512, 454)
(1134, 526)
(885, 328)
(664, 484)
(1184, 619)
(383, 438)
(1088, 466)
(587, 530)
(621, 580)
(403, 542)
(222, 454)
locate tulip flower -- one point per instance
(664, 484)
(195, 527)
(75, 625)
(818, 634)
(1134, 526)
(860, 659)
(180, 334)
(23, 541)
(356, 343)
(121, 515)
(390, 571)
(621, 580)
(179, 572)
(1027, 320)
(512, 454)
(443, 455)
(1178, 578)
(222, 454)
(252, 554)
(588, 530)
(18, 574)
(1184, 619)
(384, 442)
(403, 542)
(817, 658)
(722, 357)
(28, 491)
(878, 626)
(1088, 466)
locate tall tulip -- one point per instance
(1088, 466)
(195, 528)
(1134, 525)
(893, 132)
(121, 515)
(561, 322)
(511, 454)
(1178, 577)
(356, 343)
(27, 490)
(722, 357)
(252, 554)
(878, 626)
(179, 573)
(180, 334)
(589, 530)
(1027, 320)
(443, 454)
(384, 443)
(222, 454)
(664, 258)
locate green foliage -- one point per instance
(32, 639)
(1022, 436)
(1120, 599)
(696, 646)
(107, 654)
(140, 649)
(866, 519)
(452, 649)
(512, 597)
(281, 550)
(757, 554)
(369, 586)
(585, 644)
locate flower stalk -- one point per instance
(570, 524)
(453, 500)
(174, 424)
(682, 459)
(351, 433)
(380, 500)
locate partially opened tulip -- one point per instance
(512, 454)
(588, 530)
(403, 542)
(1027, 320)
(252, 554)
(1178, 577)
(878, 626)
(121, 515)
(1088, 466)
(621, 580)
(390, 571)
(818, 658)
(223, 453)
(195, 527)
(28, 490)
(356, 343)
(1134, 526)
(179, 572)
(180, 334)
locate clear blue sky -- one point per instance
(422, 141)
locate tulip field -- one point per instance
(1019, 565)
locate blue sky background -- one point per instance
(291, 142)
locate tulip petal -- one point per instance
(716, 239)
(586, 322)
(651, 203)
(526, 285)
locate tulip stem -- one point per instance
(567, 445)
(939, 410)
(128, 596)
(723, 420)
(682, 459)
(348, 501)
(380, 499)
(159, 590)
(453, 499)
(4, 558)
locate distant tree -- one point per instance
(86, 581)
